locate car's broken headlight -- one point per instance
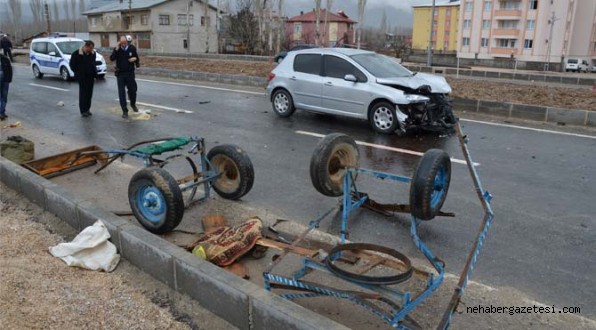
(413, 98)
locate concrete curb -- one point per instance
(531, 112)
(501, 109)
(241, 303)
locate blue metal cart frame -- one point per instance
(397, 314)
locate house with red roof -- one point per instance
(340, 29)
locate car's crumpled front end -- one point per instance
(425, 100)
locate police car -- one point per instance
(52, 55)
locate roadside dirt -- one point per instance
(38, 291)
(514, 91)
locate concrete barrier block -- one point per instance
(569, 80)
(586, 81)
(460, 104)
(222, 293)
(528, 112)
(186, 75)
(273, 312)
(553, 79)
(506, 75)
(494, 108)
(450, 71)
(8, 174)
(62, 204)
(492, 74)
(567, 116)
(536, 77)
(213, 77)
(476, 73)
(149, 253)
(591, 119)
(521, 76)
(32, 186)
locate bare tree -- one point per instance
(73, 9)
(244, 25)
(36, 10)
(361, 6)
(55, 11)
(280, 25)
(317, 21)
(384, 23)
(328, 5)
(207, 23)
(66, 7)
(82, 6)
(15, 9)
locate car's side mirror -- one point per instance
(351, 77)
(52, 53)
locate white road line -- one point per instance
(380, 146)
(50, 87)
(203, 86)
(529, 128)
(163, 107)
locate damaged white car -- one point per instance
(360, 84)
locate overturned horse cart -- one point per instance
(376, 272)
(155, 196)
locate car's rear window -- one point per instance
(40, 47)
(381, 66)
(68, 47)
(308, 63)
(572, 61)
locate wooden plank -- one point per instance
(283, 247)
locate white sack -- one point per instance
(90, 249)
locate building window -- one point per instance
(465, 41)
(467, 23)
(446, 33)
(484, 42)
(507, 5)
(485, 24)
(469, 6)
(297, 27)
(488, 5)
(528, 43)
(448, 11)
(182, 20)
(434, 44)
(445, 44)
(93, 21)
(144, 19)
(507, 24)
(533, 4)
(130, 20)
(164, 19)
(205, 20)
(184, 43)
(434, 33)
(436, 12)
(144, 40)
(506, 43)
(530, 24)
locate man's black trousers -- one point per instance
(127, 79)
(85, 93)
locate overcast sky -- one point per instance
(399, 12)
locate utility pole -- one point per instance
(130, 17)
(188, 26)
(429, 59)
(552, 21)
(47, 14)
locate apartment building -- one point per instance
(445, 26)
(546, 31)
(167, 26)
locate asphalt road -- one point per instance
(543, 239)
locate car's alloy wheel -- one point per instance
(383, 118)
(281, 102)
(64, 74)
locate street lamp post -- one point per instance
(429, 59)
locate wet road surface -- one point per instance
(543, 239)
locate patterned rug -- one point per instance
(223, 245)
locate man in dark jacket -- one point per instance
(127, 60)
(5, 79)
(82, 63)
(6, 46)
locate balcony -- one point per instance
(503, 52)
(508, 13)
(514, 33)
